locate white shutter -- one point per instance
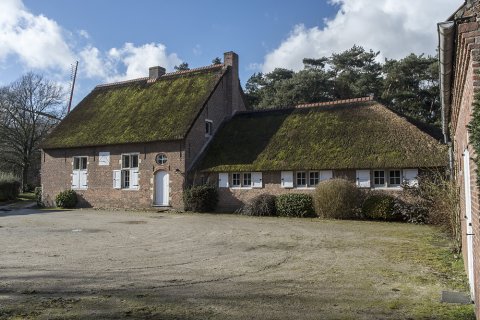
(83, 179)
(257, 180)
(410, 177)
(326, 175)
(117, 179)
(76, 179)
(223, 180)
(363, 178)
(134, 178)
(287, 179)
(104, 158)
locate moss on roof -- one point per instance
(136, 111)
(364, 135)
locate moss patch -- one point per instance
(366, 135)
(136, 111)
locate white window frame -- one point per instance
(246, 179)
(79, 173)
(317, 178)
(301, 176)
(208, 128)
(236, 180)
(384, 177)
(399, 177)
(130, 172)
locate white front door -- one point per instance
(468, 219)
(162, 180)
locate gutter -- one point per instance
(446, 37)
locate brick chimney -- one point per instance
(230, 60)
(156, 72)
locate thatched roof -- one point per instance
(342, 136)
(137, 111)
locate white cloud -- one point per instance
(396, 28)
(137, 60)
(37, 41)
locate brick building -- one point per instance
(291, 150)
(459, 55)
(130, 144)
(138, 143)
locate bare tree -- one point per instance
(29, 108)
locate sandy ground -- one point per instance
(87, 264)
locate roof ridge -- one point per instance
(120, 82)
(312, 105)
(166, 75)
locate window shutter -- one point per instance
(76, 179)
(410, 177)
(257, 180)
(83, 179)
(134, 178)
(363, 178)
(117, 179)
(223, 180)
(326, 175)
(104, 158)
(287, 179)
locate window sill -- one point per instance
(387, 188)
(129, 189)
(305, 188)
(241, 188)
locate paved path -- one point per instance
(113, 264)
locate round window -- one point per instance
(161, 158)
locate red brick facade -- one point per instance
(57, 164)
(466, 81)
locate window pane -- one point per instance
(236, 179)
(314, 178)
(126, 179)
(247, 179)
(83, 163)
(395, 177)
(134, 160)
(126, 161)
(76, 163)
(379, 177)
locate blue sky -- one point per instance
(117, 40)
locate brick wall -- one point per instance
(57, 167)
(466, 82)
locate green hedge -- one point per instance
(203, 198)
(295, 205)
(66, 199)
(380, 206)
(9, 187)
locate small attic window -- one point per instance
(208, 128)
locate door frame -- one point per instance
(468, 220)
(165, 188)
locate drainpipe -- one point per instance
(446, 34)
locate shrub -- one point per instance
(439, 195)
(338, 199)
(203, 198)
(261, 205)
(295, 205)
(380, 206)
(38, 196)
(66, 199)
(9, 186)
(411, 212)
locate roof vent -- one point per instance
(156, 72)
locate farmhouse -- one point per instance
(139, 143)
(459, 55)
(131, 144)
(293, 149)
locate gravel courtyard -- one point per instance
(88, 264)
